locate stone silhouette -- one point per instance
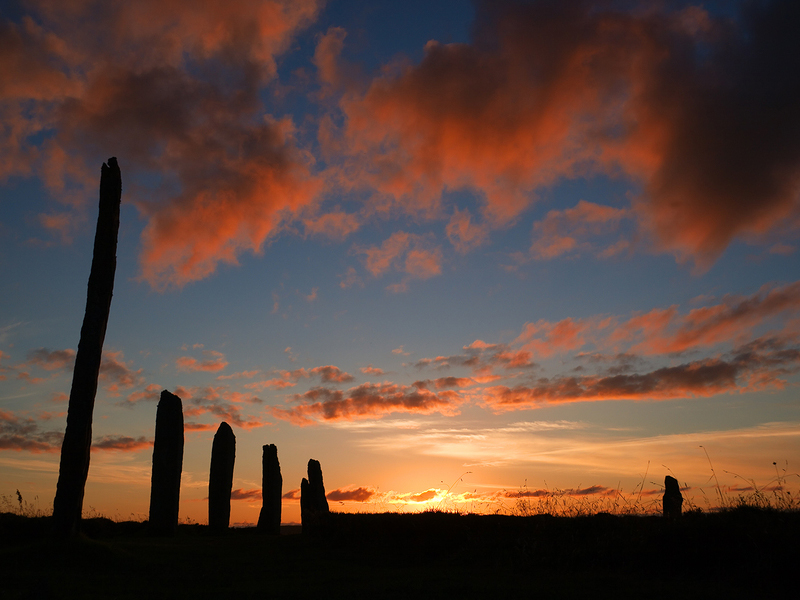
(673, 499)
(75, 449)
(165, 482)
(220, 479)
(269, 520)
(313, 503)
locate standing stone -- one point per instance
(269, 521)
(673, 499)
(165, 482)
(220, 479)
(75, 449)
(313, 503)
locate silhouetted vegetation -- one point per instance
(734, 553)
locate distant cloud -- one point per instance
(662, 101)
(758, 365)
(367, 401)
(214, 361)
(51, 360)
(360, 494)
(240, 494)
(370, 370)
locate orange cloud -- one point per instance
(51, 360)
(240, 494)
(121, 443)
(564, 232)
(664, 330)
(152, 90)
(544, 338)
(360, 494)
(548, 91)
(365, 401)
(336, 225)
(370, 370)
(116, 374)
(215, 361)
(755, 366)
(463, 233)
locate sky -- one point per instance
(458, 252)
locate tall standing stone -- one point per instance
(220, 479)
(76, 447)
(165, 481)
(313, 503)
(269, 520)
(673, 499)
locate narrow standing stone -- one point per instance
(76, 447)
(165, 482)
(673, 499)
(313, 503)
(269, 521)
(220, 479)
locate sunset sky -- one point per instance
(513, 246)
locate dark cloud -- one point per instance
(360, 494)
(366, 400)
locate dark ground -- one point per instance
(743, 553)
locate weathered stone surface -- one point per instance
(75, 449)
(313, 503)
(220, 479)
(673, 499)
(165, 480)
(269, 520)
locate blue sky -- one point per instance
(545, 245)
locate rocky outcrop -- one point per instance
(165, 481)
(75, 449)
(220, 479)
(269, 520)
(673, 499)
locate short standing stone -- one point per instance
(673, 499)
(269, 520)
(220, 479)
(165, 483)
(313, 503)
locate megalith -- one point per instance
(165, 480)
(673, 499)
(76, 446)
(269, 520)
(313, 503)
(220, 479)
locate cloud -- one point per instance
(758, 365)
(463, 233)
(239, 375)
(122, 443)
(350, 278)
(24, 433)
(367, 401)
(406, 252)
(221, 403)
(151, 393)
(360, 494)
(370, 370)
(215, 361)
(177, 90)
(336, 225)
(481, 358)
(292, 495)
(51, 360)
(696, 110)
(568, 232)
(116, 374)
(240, 494)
